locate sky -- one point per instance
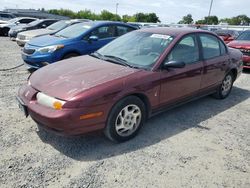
(169, 11)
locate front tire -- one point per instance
(125, 119)
(225, 88)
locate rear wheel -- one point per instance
(5, 31)
(125, 119)
(225, 88)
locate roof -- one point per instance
(171, 30)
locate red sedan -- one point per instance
(243, 44)
(134, 77)
(227, 35)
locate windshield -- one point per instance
(34, 23)
(74, 30)
(59, 25)
(138, 49)
(244, 36)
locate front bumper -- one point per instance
(21, 42)
(37, 61)
(12, 34)
(63, 122)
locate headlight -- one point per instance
(48, 101)
(28, 37)
(50, 49)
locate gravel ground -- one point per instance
(205, 143)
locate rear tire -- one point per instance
(5, 31)
(225, 88)
(125, 119)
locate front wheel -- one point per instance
(125, 119)
(225, 88)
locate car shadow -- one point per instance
(160, 127)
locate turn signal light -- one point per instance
(57, 105)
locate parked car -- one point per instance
(132, 78)
(5, 16)
(26, 36)
(243, 44)
(4, 28)
(227, 35)
(78, 39)
(37, 24)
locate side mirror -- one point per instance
(93, 38)
(230, 38)
(17, 22)
(44, 26)
(173, 64)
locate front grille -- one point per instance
(246, 63)
(28, 51)
(245, 52)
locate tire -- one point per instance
(70, 55)
(125, 119)
(5, 31)
(225, 88)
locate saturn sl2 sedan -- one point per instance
(127, 81)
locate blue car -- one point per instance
(79, 39)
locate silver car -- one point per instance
(25, 36)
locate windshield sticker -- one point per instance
(159, 36)
(86, 26)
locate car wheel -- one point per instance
(70, 55)
(5, 31)
(125, 119)
(225, 88)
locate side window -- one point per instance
(25, 21)
(186, 50)
(210, 46)
(104, 32)
(121, 30)
(223, 49)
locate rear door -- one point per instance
(181, 83)
(215, 59)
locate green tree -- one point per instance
(211, 20)
(106, 15)
(146, 17)
(186, 19)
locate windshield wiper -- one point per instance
(61, 36)
(118, 60)
(97, 55)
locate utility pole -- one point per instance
(116, 8)
(211, 4)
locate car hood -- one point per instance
(239, 44)
(37, 32)
(68, 78)
(47, 40)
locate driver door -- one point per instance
(180, 83)
(105, 35)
